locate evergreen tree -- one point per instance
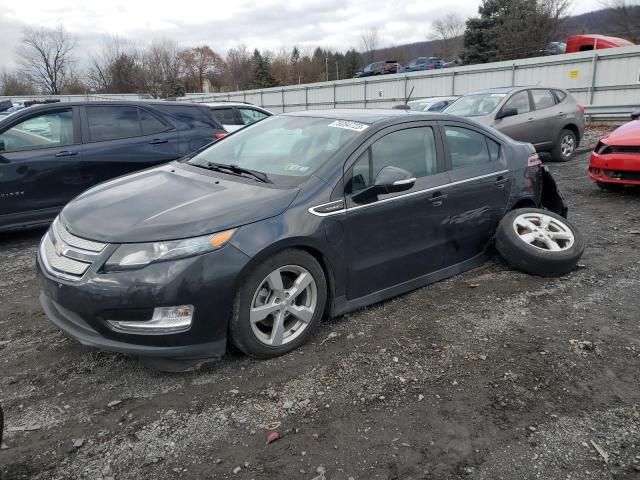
(262, 76)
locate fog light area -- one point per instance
(165, 320)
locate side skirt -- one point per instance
(341, 305)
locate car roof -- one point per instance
(511, 89)
(139, 103)
(230, 104)
(368, 116)
(432, 99)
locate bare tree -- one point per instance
(14, 84)
(161, 67)
(449, 31)
(369, 41)
(46, 58)
(200, 63)
(625, 16)
(116, 68)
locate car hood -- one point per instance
(171, 202)
(625, 135)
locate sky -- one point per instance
(263, 24)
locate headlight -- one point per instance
(137, 255)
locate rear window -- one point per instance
(189, 116)
(150, 123)
(225, 116)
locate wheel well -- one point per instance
(326, 268)
(525, 202)
(574, 129)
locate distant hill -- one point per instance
(600, 21)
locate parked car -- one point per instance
(378, 68)
(555, 48)
(548, 118)
(583, 43)
(235, 115)
(423, 63)
(51, 153)
(256, 237)
(615, 161)
(431, 104)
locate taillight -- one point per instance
(219, 135)
(580, 107)
(533, 160)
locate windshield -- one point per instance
(475, 105)
(286, 148)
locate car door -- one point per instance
(479, 190)
(120, 139)
(516, 126)
(547, 118)
(396, 237)
(40, 155)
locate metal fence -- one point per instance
(606, 81)
(598, 78)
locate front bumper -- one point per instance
(621, 168)
(208, 282)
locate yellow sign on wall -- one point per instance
(574, 73)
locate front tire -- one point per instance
(565, 147)
(539, 242)
(278, 305)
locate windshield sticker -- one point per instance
(292, 167)
(355, 126)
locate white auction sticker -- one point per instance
(355, 126)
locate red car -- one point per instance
(615, 161)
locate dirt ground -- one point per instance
(492, 374)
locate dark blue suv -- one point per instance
(51, 153)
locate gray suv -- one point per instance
(548, 118)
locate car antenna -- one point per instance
(410, 93)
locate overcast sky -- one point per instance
(265, 24)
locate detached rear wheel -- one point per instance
(539, 242)
(279, 305)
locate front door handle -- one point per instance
(437, 198)
(66, 153)
(501, 181)
(157, 141)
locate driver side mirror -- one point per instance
(635, 115)
(393, 179)
(507, 112)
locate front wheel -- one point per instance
(539, 242)
(565, 146)
(279, 305)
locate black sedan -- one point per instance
(257, 237)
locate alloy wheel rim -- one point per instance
(283, 305)
(543, 232)
(567, 145)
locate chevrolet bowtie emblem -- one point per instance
(59, 249)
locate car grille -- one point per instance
(603, 149)
(67, 256)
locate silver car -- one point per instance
(431, 104)
(549, 118)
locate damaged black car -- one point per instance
(256, 238)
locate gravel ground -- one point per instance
(492, 374)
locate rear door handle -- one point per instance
(530, 120)
(501, 181)
(437, 198)
(66, 153)
(157, 141)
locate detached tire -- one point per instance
(539, 242)
(278, 305)
(565, 147)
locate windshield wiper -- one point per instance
(237, 170)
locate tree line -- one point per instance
(503, 30)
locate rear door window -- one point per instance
(467, 148)
(226, 116)
(560, 95)
(150, 123)
(542, 98)
(51, 129)
(249, 115)
(112, 123)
